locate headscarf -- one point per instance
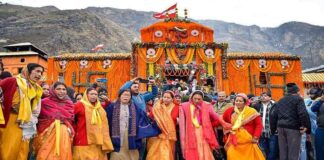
(95, 116)
(195, 114)
(240, 114)
(54, 108)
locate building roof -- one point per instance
(19, 44)
(318, 69)
(262, 55)
(22, 53)
(26, 46)
(92, 56)
(171, 24)
(313, 78)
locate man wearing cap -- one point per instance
(268, 141)
(291, 120)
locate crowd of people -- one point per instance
(42, 121)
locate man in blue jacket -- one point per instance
(140, 99)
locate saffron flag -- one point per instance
(97, 48)
(168, 13)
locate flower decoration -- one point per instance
(195, 32)
(150, 53)
(158, 33)
(239, 63)
(262, 63)
(209, 53)
(107, 63)
(83, 64)
(63, 64)
(284, 63)
(176, 66)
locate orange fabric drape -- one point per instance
(201, 53)
(117, 74)
(174, 58)
(205, 34)
(266, 69)
(238, 80)
(44, 144)
(286, 69)
(142, 54)
(50, 70)
(242, 67)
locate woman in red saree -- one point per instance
(196, 120)
(242, 139)
(165, 113)
(92, 140)
(54, 128)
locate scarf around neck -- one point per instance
(30, 96)
(116, 118)
(95, 116)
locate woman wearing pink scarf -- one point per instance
(55, 131)
(197, 119)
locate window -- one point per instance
(263, 78)
(22, 60)
(20, 69)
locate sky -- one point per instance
(264, 13)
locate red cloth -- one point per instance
(9, 87)
(171, 11)
(54, 108)
(105, 104)
(80, 138)
(208, 118)
(254, 127)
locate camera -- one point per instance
(141, 80)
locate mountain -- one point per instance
(57, 31)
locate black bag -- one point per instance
(218, 155)
(310, 151)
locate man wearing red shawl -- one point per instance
(197, 119)
(19, 111)
(55, 131)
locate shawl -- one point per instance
(239, 119)
(96, 124)
(162, 115)
(8, 87)
(116, 117)
(30, 96)
(53, 109)
(95, 115)
(139, 126)
(187, 129)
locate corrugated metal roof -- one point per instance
(262, 55)
(314, 69)
(313, 77)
